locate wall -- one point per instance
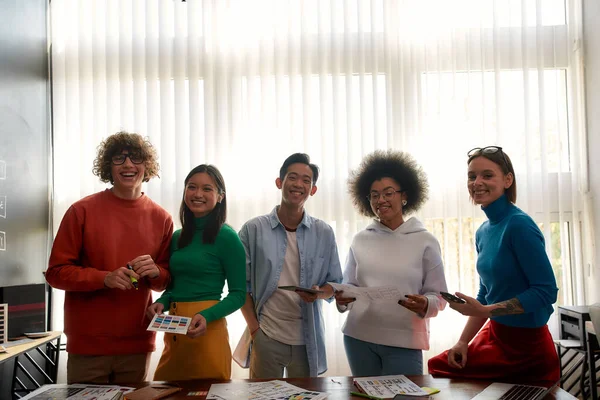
(591, 34)
(24, 149)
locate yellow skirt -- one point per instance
(207, 356)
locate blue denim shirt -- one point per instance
(265, 241)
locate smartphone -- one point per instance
(450, 297)
(407, 397)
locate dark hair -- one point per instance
(299, 158)
(501, 159)
(216, 217)
(397, 165)
(115, 144)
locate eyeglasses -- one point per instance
(387, 195)
(120, 158)
(487, 150)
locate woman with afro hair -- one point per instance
(388, 337)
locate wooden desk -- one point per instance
(339, 388)
(50, 355)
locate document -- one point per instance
(386, 387)
(270, 390)
(369, 293)
(169, 323)
(241, 354)
(78, 392)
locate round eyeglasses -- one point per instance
(388, 195)
(487, 150)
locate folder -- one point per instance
(241, 354)
(152, 392)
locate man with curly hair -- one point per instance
(288, 247)
(388, 337)
(111, 250)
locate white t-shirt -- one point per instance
(282, 313)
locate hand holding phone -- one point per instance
(452, 298)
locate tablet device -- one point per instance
(300, 289)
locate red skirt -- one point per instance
(506, 354)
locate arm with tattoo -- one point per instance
(508, 307)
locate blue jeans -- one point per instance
(370, 359)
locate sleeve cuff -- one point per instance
(433, 305)
(208, 316)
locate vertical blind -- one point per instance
(243, 84)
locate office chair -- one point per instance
(593, 350)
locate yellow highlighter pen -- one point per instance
(133, 280)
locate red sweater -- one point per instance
(98, 234)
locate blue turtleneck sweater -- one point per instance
(512, 262)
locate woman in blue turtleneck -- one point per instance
(516, 291)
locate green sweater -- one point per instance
(199, 270)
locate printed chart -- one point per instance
(170, 324)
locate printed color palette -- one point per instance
(169, 323)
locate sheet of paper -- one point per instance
(388, 386)
(241, 354)
(78, 392)
(169, 323)
(369, 293)
(271, 390)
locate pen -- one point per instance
(365, 396)
(133, 280)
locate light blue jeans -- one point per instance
(370, 359)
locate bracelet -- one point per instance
(254, 331)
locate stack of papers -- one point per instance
(386, 387)
(271, 390)
(78, 392)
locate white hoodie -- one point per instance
(409, 258)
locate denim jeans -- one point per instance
(370, 359)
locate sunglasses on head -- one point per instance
(477, 151)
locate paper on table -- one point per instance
(388, 386)
(369, 293)
(261, 391)
(169, 324)
(63, 391)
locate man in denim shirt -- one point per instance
(288, 247)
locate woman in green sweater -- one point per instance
(204, 254)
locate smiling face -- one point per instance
(297, 185)
(128, 177)
(486, 181)
(201, 194)
(387, 206)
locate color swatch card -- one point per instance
(169, 323)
